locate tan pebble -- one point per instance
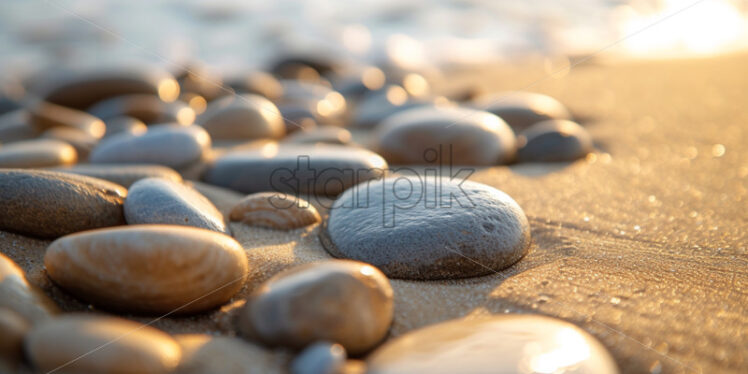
(14, 327)
(203, 354)
(90, 344)
(275, 211)
(147, 108)
(149, 269)
(37, 154)
(17, 295)
(44, 116)
(124, 175)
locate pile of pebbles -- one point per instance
(107, 165)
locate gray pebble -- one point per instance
(146, 108)
(319, 358)
(553, 140)
(322, 134)
(522, 109)
(124, 124)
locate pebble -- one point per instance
(499, 344)
(553, 140)
(375, 106)
(80, 140)
(19, 296)
(78, 343)
(146, 108)
(206, 354)
(320, 358)
(359, 83)
(316, 169)
(275, 211)
(14, 126)
(14, 327)
(127, 125)
(258, 83)
(245, 116)
(124, 175)
(394, 226)
(322, 134)
(327, 105)
(51, 204)
(161, 201)
(522, 109)
(292, 67)
(346, 302)
(37, 153)
(453, 135)
(149, 269)
(8, 105)
(297, 117)
(44, 116)
(201, 80)
(172, 146)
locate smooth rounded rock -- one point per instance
(19, 296)
(201, 80)
(322, 134)
(147, 108)
(522, 109)
(500, 344)
(160, 201)
(295, 169)
(208, 354)
(275, 211)
(149, 269)
(259, 83)
(93, 344)
(327, 105)
(51, 204)
(245, 116)
(44, 116)
(80, 140)
(320, 358)
(37, 153)
(124, 124)
(172, 146)
(346, 302)
(374, 107)
(433, 229)
(124, 175)
(297, 117)
(553, 140)
(453, 135)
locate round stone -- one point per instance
(259, 83)
(94, 344)
(346, 302)
(146, 108)
(245, 116)
(320, 358)
(553, 140)
(45, 116)
(51, 204)
(322, 134)
(124, 175)
(161, 201)
(327, 105)
(19, 296)
(437, 228)
(149, 269)
(297, 117)
(500, 344)
(377, 105)
(37, 153)
(454, 135)
(124, 124)
(210, 354)
(522, 109)
(172, 146)
(276, 211)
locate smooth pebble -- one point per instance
(37, 153)
(19, 296)
(124, 175)
(552, 141)
(147, 108)
(320, 358)
(522, 109)
(244, 116)
(274, 210)
(322, 134)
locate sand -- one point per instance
(643, 244)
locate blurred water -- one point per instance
(232, 33)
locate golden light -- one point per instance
(198, 104)
(396, 95)
(373, 78)
(186, 116)
(416, 85)
(269, 150)
(168, 90)
(570, 349)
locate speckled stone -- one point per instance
(320, 169)
(14, 327)
(19, 296)
(44, 116)
(500, 344)
(124, 175)
(161, 201)
(37, 153)
(320, 358)
(553, 140)
(78, 343)
(172, 146)
(147, 108)
(124, 124)
(346, 302)
(409, 235)
(322, 134)
(522, 109)
(275, 211)
(245, 116)
(461, 136)
(50, 204)
(82, 141)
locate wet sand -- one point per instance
(642, 244)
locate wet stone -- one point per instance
(322, 134)
(454, 135)
(522, 109)
(274, 210)
(127, 125)
(201, 80)
(553, 140)
(434, 229)
(320, 358)
(37, 153)
(160, 201)
(124, 175)
(146, 108)
(346, 302)
(500, 344)
(245, 116)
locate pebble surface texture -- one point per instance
(149, 269)
(554, 140)
(409, 230)
(503, 344)
(37, 154)
(242, 117)
(275, 211)
(124, 175)
(431, 134)
(50, 204)
(523, 109)
(160, 201)
(347, 302)
(93, 344)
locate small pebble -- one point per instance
(44, 116)
(347, 302)
(149, 269)
(207, 354)
(124, 175)
(375, 106)
(552, 141)
(146, 108)
(322, 134)
(161, 201)
(297, 117)
(37, 153)
(201, 80)
(19, 296)
(327, 105)
(128, 125)
(258, 83)
(320, 358)
(276, 211)
(80, 140)
(77, 343)
(290, 66)
(522, 109)
(245, 116)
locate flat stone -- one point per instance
(275, 211)
(82, 141)
(346, 302)
(453, 230)
(44, 116)
(203, 354)
(161, 201)
(454, 135)
(172, 146)
(522, 109)
(124, 124)
(78, 343)
(51, 204)
(244, 116)
(19, 296)
(553, 140)
(500, 344)
(37, 154)
(320, 358)
(322, 134)
(146, 108)
(124, 175)
(295, 169)
(149, 269)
